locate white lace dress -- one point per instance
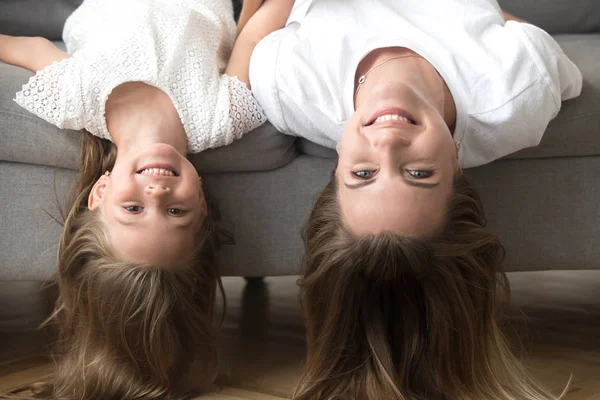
(178, 46)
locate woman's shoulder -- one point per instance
(299, 84)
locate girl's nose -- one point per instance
(157, 190)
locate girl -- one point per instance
(402, 285)
(136, 261)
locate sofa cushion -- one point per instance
(46, 17)
(28, 139)
(576, 129)
(557, 16)
(305, 146)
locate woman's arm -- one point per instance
(272, 15)
(33, 53)
(510, 17)
(249, 8)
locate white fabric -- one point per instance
(178, 46)
(507, 79)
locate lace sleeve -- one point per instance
(245, 114)
(237, 112)
(51, 94)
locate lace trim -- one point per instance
(46, 95)
(53, 95)
(241, 114)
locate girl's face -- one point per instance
(397, 161)
(153, 205)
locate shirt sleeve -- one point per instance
(263, 77)
(522, 120)
(517, 124)
(560, 73)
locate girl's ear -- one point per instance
(203, 199)
(97, 193)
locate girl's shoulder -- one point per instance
(235, 113)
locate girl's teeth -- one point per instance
(157, 171)
(392, 117)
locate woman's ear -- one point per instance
(204, 206)
(97, 193)
(458, 168)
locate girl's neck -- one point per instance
(138, 115)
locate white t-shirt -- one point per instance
(507, 79)
(178, 46)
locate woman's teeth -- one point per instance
(157, 172)
(392, 117)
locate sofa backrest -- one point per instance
(46, 17)
(557, 16)
(35, 17)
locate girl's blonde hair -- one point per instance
(392, 317)
(129, 331)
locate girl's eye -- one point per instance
(133, 209)
(419, 174)
(363, 174)
(175, 211)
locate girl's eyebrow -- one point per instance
(124, 222)
(178, 224)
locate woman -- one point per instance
(401, 283)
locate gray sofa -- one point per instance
(543, 202)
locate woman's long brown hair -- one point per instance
(391, 317)
(128, 331)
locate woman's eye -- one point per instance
(364, 174)
(133, 209)
(175, 211)
(419, 174)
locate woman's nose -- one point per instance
(157, 190)
(380, 139)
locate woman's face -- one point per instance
(153, 205)
(397, 161)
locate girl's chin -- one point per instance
(162, 148)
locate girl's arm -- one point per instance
(272, 15)
(33, 53)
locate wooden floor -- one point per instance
(263, 342)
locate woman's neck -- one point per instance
(138, 115)
(405, 66)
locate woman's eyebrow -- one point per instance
(359, 184)
(408, 182)
(421, 184)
